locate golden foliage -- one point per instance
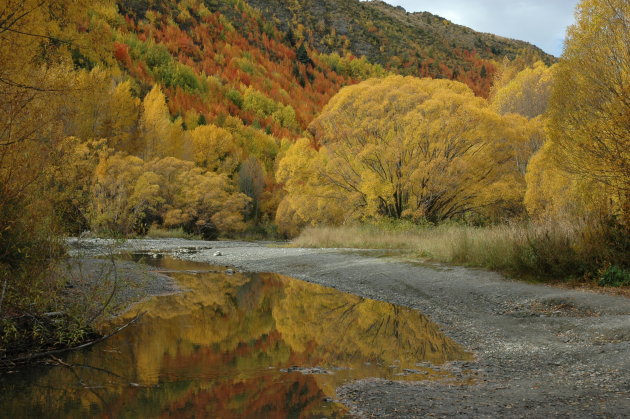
(36, 79)
(104, 109)
(552, 191)
(590, 106)
(161, 137)
(405, 147)
(214, 149)
(526, 92)
(130, 194)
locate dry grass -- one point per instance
(453, 244)
(551, 249)
(174, 233)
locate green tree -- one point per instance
(302, 55)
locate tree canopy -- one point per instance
(590, 108)
(402, 147)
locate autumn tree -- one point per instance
(309, 200)
(124, 196)
(264, 107)
(161, 136)
(69, 179)
(215, 149)
(527, 93)
(402, 147)
(251, 182)
(554, 193)
(37, 39)
(590, 104)
(129, 195)
(199, 201)
(104, 108)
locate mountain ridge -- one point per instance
(419, 43)
(500, 38)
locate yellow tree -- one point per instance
(310, 200)
(69, 179)
(527, 93)
(102, 108)
(129, 194)
(590, 105)
(403, 147)
(125, 196)
(161, 137)
(557, 194)
(214, 149)
(36, 75)
(521, 139)
(201, 202)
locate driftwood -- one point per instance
(34, 356)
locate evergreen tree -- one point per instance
(290, 37)
(302, 55)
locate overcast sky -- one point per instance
(540, 22)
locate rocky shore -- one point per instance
(540, 351)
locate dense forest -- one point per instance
(227, 118)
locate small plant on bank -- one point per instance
(615, 276)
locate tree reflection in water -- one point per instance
(242, 345)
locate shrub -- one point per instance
(615, 276)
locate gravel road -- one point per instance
(540, 351)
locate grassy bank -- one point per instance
(542, 250)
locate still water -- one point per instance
(234, 346)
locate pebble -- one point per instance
(217, 253)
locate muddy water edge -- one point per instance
(234, 344)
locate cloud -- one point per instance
(540, 22)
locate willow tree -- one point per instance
(527, 93)
(37, 38)
(129, 194)
(590, 105)
(401, 147)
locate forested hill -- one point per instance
(418, 44)
(229, 85)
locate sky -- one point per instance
(540, 22)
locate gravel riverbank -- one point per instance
(112, 286)
(540, 351)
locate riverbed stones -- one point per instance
(525, 368)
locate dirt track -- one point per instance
(541, 351)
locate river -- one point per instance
(235, 345)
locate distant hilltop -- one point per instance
(419, 43)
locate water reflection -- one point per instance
(255, 345)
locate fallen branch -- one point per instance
(38, 355)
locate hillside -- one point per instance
(210, 95)
(419, 44)
(230, 84)
(214, 64)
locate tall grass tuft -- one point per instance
(172, 233)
